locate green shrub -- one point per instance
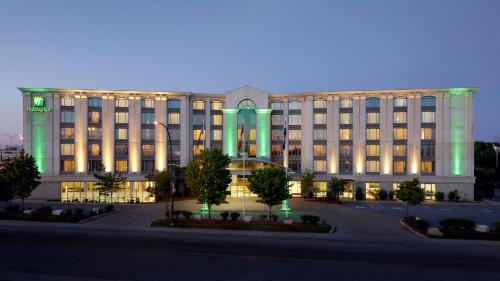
(274, 218)
(159, 222)
(496, 225)
(44, 211)
(359, 194)
(109, 208)
(187, 214)
(390, 195)
(421, 225)
(79, 211)
(235, 216)
(13, 209)
(457, 224)
(453, 195)
(382, 194)
(263, 217)
(439, 196)
(224, 215)
(310, 219)
(177, 214)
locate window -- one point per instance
(294, 105)
(372, 102)
(399, 102)
(173, 118)
(371, 189)
(277, 120)
(427, 167)
(320, 166)
(428, 117)
(67, 117)
(67, 133)
(372, 134)
(67, 149)
(121, 149)
(429, 190)
(173, 103)
(121, 133)
(277, 105)
(428, 150)
(345, 134)
(319, 134)
(198, 119)
(399, 117)
(294, 119)
(175, 133)
(148, 150)
(94, 117)
(399, 150)
(68, 166)
(148, 165)
(295, 135)
(148, 134)
(216, 135)
(426, 133)
(198, 135)
(372, 166)
(428, 101)
(121, 165)
(276, 149)
(373, 150)
(294, 165)
(94, 149)
(320, 103)
(319, 118)
(217, 120)
(277, 135)
(148, 103)
(121, 117)
(345, 150)
(345, 167)
(319, 150)
(147, 118)
(400, 133)
(198, 105)
(95, 102)
(399, 167)
(94, 165)
(121, 102)
(94, 133)
(216, 105)
(345, 103)
(346, 118)
(68, 101)
(372, 118)
(294, 149)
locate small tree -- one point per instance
(410, 192)
(21, 176)
(208, 177)
(6, 193)
(108, 183)
(161, 187)
(307, 183)
(271, 185)
(337, 186)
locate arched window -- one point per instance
(294, 105)
(277, 105)
(95, 101)
(428, 101)
(372, 102)
(216, 105)
(198, 105)
(247, 104)
(68, 101)
(319, 103)
(247, 121)
(173, 103)
(399, 102)
(345, 103)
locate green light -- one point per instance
(263, 131)
(458, 98)
(38, 101)
(230, 133)
(38, 129)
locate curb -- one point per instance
(98, 217)
(333, 229)
(412, 230)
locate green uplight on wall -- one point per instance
(458, 97)
(230, 116)
(38, 122)
(263, 131)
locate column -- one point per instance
(446, 134)
(208, 122)
(285, 116)
(186, 132)
(134, 134)
(458, 123)
(439, 134)
(81, 112)
(108, 132)
(56, 115)
(412, 135)
(263, 132)
(359, 134)
(469, 136)
(386, 120)
(230, 131)
(307, 131)
(418, 125)
(332, 134)
(160, 134)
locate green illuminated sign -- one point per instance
(38, 105)
(38, 101)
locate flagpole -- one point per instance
(284, 205)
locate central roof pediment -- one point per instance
(233, 97)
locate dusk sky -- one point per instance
(277, 46)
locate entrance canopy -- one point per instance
(251, 163)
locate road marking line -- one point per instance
(359, 207)
(445, 209)
(488, 211)
(397, 208)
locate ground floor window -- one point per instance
(130, 192)
(371, 189)
(320, 188)
(347, 194)
(429, 190)
(295, 188)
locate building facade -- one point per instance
(375, 139)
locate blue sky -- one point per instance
(278, 46)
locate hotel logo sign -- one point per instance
(38, 105)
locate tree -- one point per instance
(410, 192)
(108, 183)
(271, 185)
(337, 186)
(307, 183)
(21, 175)
(161, 187)
(6, 193)
(208, 177)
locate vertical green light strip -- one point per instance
(458, 99)
(230, 133)
(38, 121)
(263, 132)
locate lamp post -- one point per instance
(496, 148)
(12, 137)
(171, 175)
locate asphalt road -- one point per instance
(48, 253)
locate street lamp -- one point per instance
(171, 175)
(12, 137)
(496, 148)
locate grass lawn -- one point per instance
(240, 225)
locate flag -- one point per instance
(284, 136)
(202, 131)
(242, 137)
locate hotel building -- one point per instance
(376, 139)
